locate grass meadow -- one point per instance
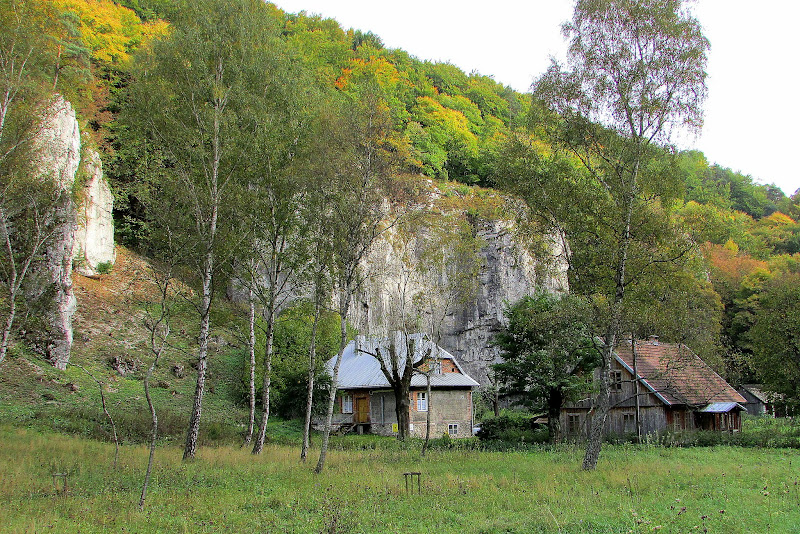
(636, 488)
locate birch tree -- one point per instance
(356, 214)
(28, 200)
(192, 100)
(635, 75)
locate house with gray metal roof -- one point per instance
(366, 402)
(675, 388)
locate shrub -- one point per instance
(512, 427)
(104, 267)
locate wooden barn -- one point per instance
(676, 391)
(761, 402)
(366, 403)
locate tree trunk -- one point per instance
(153, 432)
(312, 356)
(401, 409)
(615, 325)
(7, 327)
(190, 449)
(598, 420)
(251, 345)
(343, 307)
(636, 391)
(554, 403)
(193, 433)
(262, 427)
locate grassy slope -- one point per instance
(108, 324)
(646, 489)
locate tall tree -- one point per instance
(548, 353)
(277, 205)
(776, 337)
(28, 199)
(193, 101)
(635, 73)
(359, 170)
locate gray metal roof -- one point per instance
(722, 407)
(360, 367)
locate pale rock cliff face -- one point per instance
(94, 238)
(59, 147)
(511, 264)
(84, 234)
(509, 273)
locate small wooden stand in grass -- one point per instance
(63, 477)
(411, 476)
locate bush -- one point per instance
(512, 427)
(104, 267)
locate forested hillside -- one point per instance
(225, 126)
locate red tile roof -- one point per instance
(677, 373)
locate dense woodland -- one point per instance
(306, 114)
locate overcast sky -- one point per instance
(752, 112)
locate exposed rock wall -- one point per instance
(83, 233)
(509, 272)
(50, 286)
(512, 261)
(94, 238)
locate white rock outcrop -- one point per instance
(94, 237)
(513, 263)
(81, 233)
(49, 287)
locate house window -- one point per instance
(437, 368)
(628, 422)
(573, 423)
(347, 403)
(452, 430)
(616, 381)
(422, 401)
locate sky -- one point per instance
(752, 112)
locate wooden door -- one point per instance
(362, 410)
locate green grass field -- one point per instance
(635, 489)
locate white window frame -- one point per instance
(422, 401)
(452, 429)
(347, 403)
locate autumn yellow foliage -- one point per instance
(110, 31)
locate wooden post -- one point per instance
(411, 475)
(636, 391)
(63, 477)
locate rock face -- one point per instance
(83, 233)
(50, 286)
(509, 273)
(94, 238)
(512, 261)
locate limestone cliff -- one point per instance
(511, 258)
(50, 285)
(94, 238)
(82, 231)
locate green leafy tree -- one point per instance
(193, 101)
(776, 337)
(635, 72)
(29, 200)
(548, 353)
(357, 174)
